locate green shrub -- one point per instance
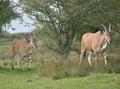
(62, 68)
(57, 69)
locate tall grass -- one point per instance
(62, 68)
(58, 69)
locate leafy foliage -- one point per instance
(63, 20)
(7, 12)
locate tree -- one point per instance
(102, 11)
(62, 20)
(7, 12)
(56, 19)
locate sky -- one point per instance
(20, 26)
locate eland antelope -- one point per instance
(96, 43)
(23, 47)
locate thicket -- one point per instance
(55, 66)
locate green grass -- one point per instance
(18, 79)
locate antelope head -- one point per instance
(107, 33)
(32, 40)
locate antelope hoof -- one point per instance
(12, 67)
(29, 69)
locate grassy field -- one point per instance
(50, 71)
(18, 79)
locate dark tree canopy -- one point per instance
(7, 12)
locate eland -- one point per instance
(96, 43)
(23, 47)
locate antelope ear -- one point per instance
(101, 31)
(28, 40)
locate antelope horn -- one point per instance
(110, 27)
(29, 35)
(33, 35)
(104, 27)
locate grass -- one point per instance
(18, 79)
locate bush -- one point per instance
(62, 68)
(57, 69)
